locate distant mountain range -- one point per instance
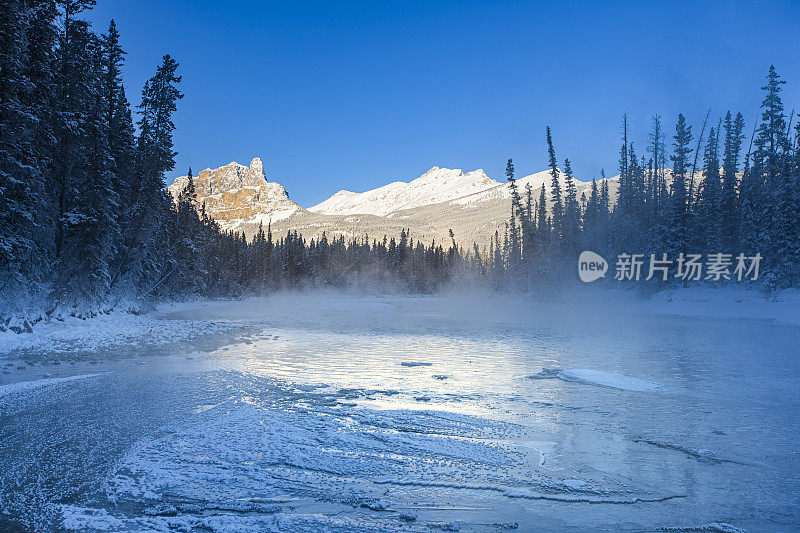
(471, 204)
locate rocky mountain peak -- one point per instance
(235, 194)
(257, 167)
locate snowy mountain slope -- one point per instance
(237, 196)
(501, 190)
(435, 186)
(438, 185)
(473, 213)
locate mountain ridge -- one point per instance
(470, 203)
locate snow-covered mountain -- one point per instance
(239, 197)
(435, 186)
(472, 204)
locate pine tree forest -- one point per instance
(86, 224)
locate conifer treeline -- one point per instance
(84, 214)
(719, 197)
(86, 222)
(210, 262)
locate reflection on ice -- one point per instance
(419, 414)
(301, 448)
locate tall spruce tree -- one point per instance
(773, 160)
(677, 237)
(72, 92)
(591, 214)
(604, 215)
(119, 121)
(657, 148)
(19, 193)
(572, 213)
(557, 208)
(709, 198)
(514, 230)
(86, 195)
(729, 204)
(624, 199)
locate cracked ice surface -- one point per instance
(332, 413)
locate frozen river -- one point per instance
(417, 414)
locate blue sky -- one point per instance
(335, 95)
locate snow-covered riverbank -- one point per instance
(117, 329)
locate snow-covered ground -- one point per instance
(339, 413)
(117, 330)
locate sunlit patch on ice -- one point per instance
(601, 378)
(246, 457)
(326, 429)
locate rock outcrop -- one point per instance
(237, 196)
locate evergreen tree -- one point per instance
(659, 163)
(624, 200)
(729, 206)
(772, 140)
(591, 214)
(636, 189)
(87, 200)
(18, 189)
(159, 103)
(543, 225)
(677, 238)
(603, 215)
(541, 247)
(709, 198)
(528, 203)
(557, 208)
(154, 157)
(188, 194)
(515, 241)
(118, 118)
(41, 36)
(72, 95)
(572, 213)
(752, 197)
(773, 160)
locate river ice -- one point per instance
(310, 412)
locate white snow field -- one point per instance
(326, 412)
